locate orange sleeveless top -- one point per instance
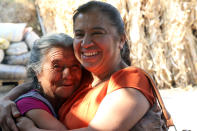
(78, 111)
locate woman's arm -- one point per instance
(43, 121)
(8, 107)
(24, 124)
(18, 90)
(120, 110)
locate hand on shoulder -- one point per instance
(8, 110)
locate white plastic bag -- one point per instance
(12, 31)
(17, 48)
(4, 44)
(17, 59)
(12, 72)
(1, 55)
(30, 37)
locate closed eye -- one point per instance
(57, 67)
(97, 33)
(78, 34)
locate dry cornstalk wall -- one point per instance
(162, 35)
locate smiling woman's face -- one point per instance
(96, 41)
(61, 72)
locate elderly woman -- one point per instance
(56, 74)
(119, 95)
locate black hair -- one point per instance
(114, 17)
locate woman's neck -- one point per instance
(55, 102)
(105, 75)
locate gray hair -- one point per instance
(40, 49)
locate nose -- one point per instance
(87, 41)
(67, 73)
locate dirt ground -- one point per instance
(182, 107)
(180, 103)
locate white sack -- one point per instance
(17, 48)
(30, 37)
(12, 31)
(4, 44)
(17, 59)
(1, 55)
(12, 72)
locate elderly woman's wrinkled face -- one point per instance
(96, 41)
(61, 72)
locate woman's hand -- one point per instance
(8, 110)
(25, 124)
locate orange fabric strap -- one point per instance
(167, 116)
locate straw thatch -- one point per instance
(162, 34)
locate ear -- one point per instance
(122, 40)
(39, 75)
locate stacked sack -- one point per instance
(16, 42)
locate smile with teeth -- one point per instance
(89, 54)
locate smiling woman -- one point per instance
(99, 42)
(61, 73)
(117, 96)
(53, 62)
(96, 43)
(56, 75)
